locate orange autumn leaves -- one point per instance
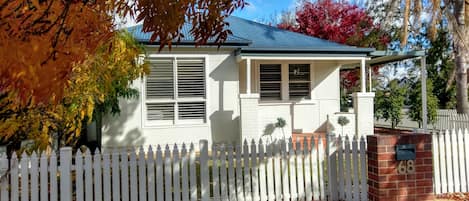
(59, 58)
(41, 40)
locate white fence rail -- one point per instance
(451, 161)
(250, 172)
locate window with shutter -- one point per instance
(270, 81)
(175, 91)
(299, 81)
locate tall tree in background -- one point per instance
(456, 17)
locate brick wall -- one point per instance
(385, 182)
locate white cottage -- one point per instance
(239, 90)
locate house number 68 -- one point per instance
(406, 167)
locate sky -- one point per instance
(264, 10)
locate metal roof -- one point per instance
(383, 57)
(253, 37)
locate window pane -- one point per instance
(270, 81)
(299, 72)
(194, 110)
(160, 81)
(191, 78)
(299, 81)
(160, 111)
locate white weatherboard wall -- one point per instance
(129, 128)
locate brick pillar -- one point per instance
(386, 182)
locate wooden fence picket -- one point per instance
(456, 168)
(24, 163)
(14, 171)
(247, 172)
(277, 170)
(97, 175)
(461, 161)
(262, 175)
(115, 163)
(215, 175)
(239, 174)
(364, 171)
(176, 174)
(124, 174)
(231, 174)
(184, 173)
(322, 176)
(79, 188)
(167, 174)
(348, 168)
(133, 175)
(4, 176)
(34, 177)
(43, 177)
(151, 181)
(299, 171)
(292, 168)
(142, 175)
(355, 168)
(223, 176)
(270, 172)
(315, 165)
(466, 160)
(204, 174)
(53, 177)
(284, 171)
(436, 162)
(88, 176)
(307, 167)
(106, 177)
(443, 156)
(192, 173)
(159, 174)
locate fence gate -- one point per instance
(309, 169)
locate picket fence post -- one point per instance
(204, 174)
(3, 177)
(65, 174)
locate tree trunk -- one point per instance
(460, 50)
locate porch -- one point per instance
(297, 96)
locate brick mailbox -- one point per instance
(400, 167)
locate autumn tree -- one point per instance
(60, 59)
(42, 40)
(94, 88)
(339, 22)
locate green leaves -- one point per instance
(389, 102)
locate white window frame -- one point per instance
(176, 122)
(285, 82)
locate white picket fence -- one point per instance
(450, 119)
(250, 172)
(451, 161)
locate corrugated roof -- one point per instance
(256, 37)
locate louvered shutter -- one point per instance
(270, 81)
(192, 111)
(299, 81)
(160, 111)
(160, 82)
(191, 78)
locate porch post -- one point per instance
(424, 92)
(363, 76)
(370, 84)
(248, 76)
